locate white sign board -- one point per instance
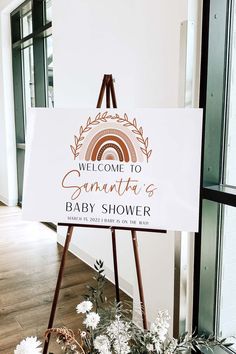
(133, 169)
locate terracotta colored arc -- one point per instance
(107, 146)
(116, 132)
(113, 138)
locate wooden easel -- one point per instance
(108, 87)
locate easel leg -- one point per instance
(108, 99)
(113, 95)
(102, 91)
(113, 235)
(58, 286)
(139, 277)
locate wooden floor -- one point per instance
(29, 262)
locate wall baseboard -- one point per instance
(125, 286)
(8, 202)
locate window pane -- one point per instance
(230, 173)
(48, 6)
(227, 305)
(26, 19)
(49, 68)
(28, 79)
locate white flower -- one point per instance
(162, 332)
(92, 319)
(172, 345)
(84, 307)
(121, 346)
(118, 332)
(159, 327)
(150, 347)
(119, 328)
(102, 344)
(30, 345)
(157, 347)
(153, 328)
(83, 334)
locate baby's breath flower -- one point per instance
(150, 347)
(157, 347)
(102, 344)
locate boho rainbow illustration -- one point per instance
(109, 137)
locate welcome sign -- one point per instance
(135, 169)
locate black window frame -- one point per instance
(216, 40)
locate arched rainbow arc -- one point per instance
(117, 142)
(110, 154)
(111, 139)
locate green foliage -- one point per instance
(199, 342)
(96, 293)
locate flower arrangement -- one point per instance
(109, 329)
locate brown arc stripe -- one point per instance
(113, 138)
(107, 146)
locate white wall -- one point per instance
(138, 42)
(195, 15)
